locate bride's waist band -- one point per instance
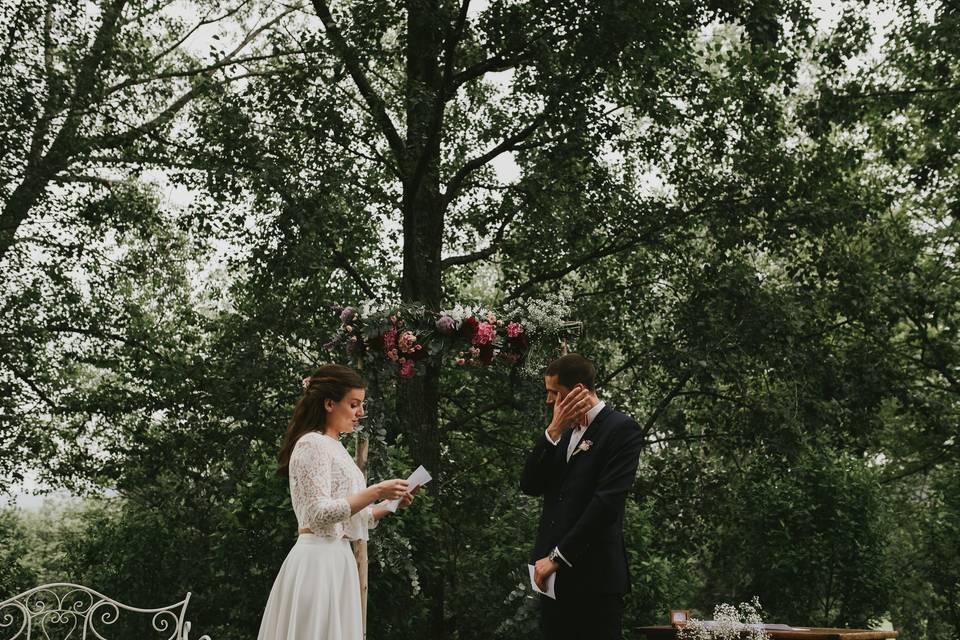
(308, 537)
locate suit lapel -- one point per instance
(592, 430)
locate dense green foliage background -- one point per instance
(751, 207)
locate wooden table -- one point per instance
(669, 633)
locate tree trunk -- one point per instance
(423, 221)
(18, 207)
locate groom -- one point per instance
(583, 465)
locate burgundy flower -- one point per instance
(469, 327)
(390, 340)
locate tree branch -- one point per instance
(376, 105)
(173, 108)
(104, 182)
(12, 39)
(105, 335)
(33, 387)
(202, 23)
(146, 128)
(157, 8)
(478, 255)
(604, 251)
(900, 92)
(665, 402)
(462, 421)
(207, 70)
(456, 182)
(43, 125)
(344, 262)
(495, 63)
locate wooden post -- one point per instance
(360, 546)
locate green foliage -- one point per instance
(755, 222)
(810, 532)
(15, 573)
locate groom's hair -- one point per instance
(573, 369)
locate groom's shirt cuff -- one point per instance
(546, 432)
(564, 559)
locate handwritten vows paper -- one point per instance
(416, 479)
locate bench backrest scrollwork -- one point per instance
(66, 611)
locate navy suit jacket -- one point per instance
(583, 502)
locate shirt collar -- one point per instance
(593, 413)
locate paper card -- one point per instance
(418, 478)
(550, 580)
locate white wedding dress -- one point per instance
(316, 595)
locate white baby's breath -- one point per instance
(729, 623)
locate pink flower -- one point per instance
(486, 332)
(491, 317)
(393, 355)
(407, 342)
(461, 361)
(514, 329)
(406, 369)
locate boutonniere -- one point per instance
(583, 446)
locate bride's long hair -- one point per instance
(329, 382)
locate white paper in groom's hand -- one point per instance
(416, 479)
(550, 580)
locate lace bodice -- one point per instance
(322, 475)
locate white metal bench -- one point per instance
(65, 611)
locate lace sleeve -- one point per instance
(310, 466)
(371, 519)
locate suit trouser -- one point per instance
(588, 617)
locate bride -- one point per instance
(317, 593)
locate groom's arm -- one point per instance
(536, 471)
(606, 505)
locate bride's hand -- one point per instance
(408, 497)
(391, 489)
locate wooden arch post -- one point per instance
(360, 546)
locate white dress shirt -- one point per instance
(579, 430)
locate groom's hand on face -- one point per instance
(569, 410)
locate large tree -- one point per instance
(751, 278)
(403, 111)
